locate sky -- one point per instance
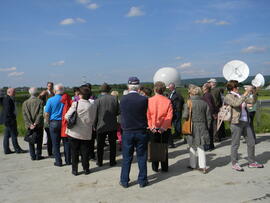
(73, 41)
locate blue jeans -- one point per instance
(67, 150)
(130, 141)
(11, 131)
(55, 132)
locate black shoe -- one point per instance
(172, 146)
(155, 169)
(9, 152)
(99, 164)
(58, 164)
(21, 151)
(86, 171)
(113, 163)
(40, 158)
(143, 185)
(33, 158)
(124, 185)
(75, 173)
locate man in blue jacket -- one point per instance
(133, 108)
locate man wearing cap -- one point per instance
(215, 91)
(106, 110)
(133, 107)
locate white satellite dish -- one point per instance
(168, 75)
(236, 70)
(258, 81)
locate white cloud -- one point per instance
(178, 58)
(83, 1)
(58, 63)
(135, 11)
(253, 49)
(67, 21)
(212, 21)
(92, 6)
(185, 65)
(15, 74)
(222, 22)
(80, 20)
(206, 21)
(8, 69)
(70, 21)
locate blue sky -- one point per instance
(69, 41)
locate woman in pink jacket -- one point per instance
(159, 115)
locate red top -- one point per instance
(67, 101)
(160, 112)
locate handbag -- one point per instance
(187, 125)
(224, 114)
(31, 136)
(157, 151)
(73, 118)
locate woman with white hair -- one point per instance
(32, 110)
(201, 122)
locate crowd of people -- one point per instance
(139, 121)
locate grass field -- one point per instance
(262, 127)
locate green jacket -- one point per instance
(32, 110)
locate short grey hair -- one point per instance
(194, 90)
(59, 88)
(33, 91)
(133, 87)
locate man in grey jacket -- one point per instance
(32, 110)
(106, 109)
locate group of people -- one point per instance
(136, 120)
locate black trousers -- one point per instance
(79, 147)
(49, 141)
(92, 145)
(160, 138)
(251, 120)
(100, 146)
(35, 153)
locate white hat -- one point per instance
(212, 80)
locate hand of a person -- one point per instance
(161, 130)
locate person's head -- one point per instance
(88, 85)
(145, 91)
(171, 86)
(33, 91)
(115, 93)
(105, 88)
(11, 92)
(133, 84)
(206, 88)
(233, 85)
(212, 82)
(84, 93)
(50, 86)
(59, 89)
(159, 87)
(125, 92)
(76, 91)
(194, 90)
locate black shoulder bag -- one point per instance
(73, 118)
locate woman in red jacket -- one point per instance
(159, 116)
(67, 101)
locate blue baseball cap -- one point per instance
(133, 81)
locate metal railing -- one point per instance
(262, 105)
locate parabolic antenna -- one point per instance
(258, 81)
(168, 75)
(236, 70)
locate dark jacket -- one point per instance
(217, 97)
(177, 103)
(106, 110)
(32, 110)
(8, 116)
(133, 109)
(208, 98)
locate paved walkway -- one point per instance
(23, 180)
